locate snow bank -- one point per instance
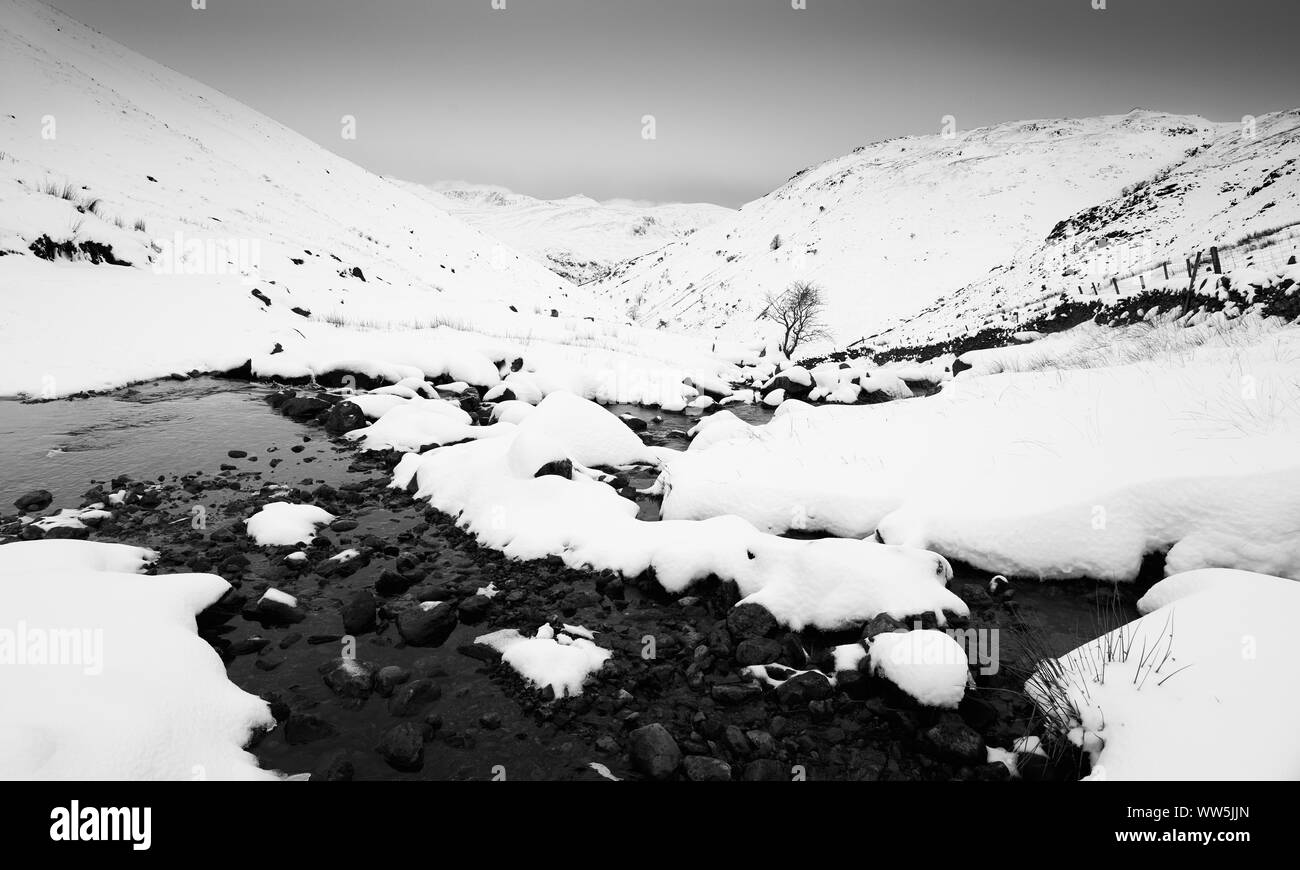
(1077, 472)
(418, 423)
(71, 555)
(562, 661)
(592, 435)
(489, 487)
(280, 524)
(104, 676)
(1178, 586)
(1205, 687)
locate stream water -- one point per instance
(171, 431)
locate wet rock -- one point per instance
(359, 613)
(349, 678)
(792, 651)
(304, 407)
(474, 609)
(764, 744)
(36, 500)
(635, 423)
(882, 624)
(392, 583)
(269, 662)
(654, 752)
(853, 683)
(270, 611)
(736, 741)
(412, 697)
(750, 621)
(702, 768)
(402, 746)
(800, 689)
(332, 767)
(427, 626)
(732, 694)
(757, 651)
(954, 740)
(344, 417)
(388, 678)
(306, 727)
(559, 468)
(766, 770)
(247, 646)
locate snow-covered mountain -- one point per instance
(576, 237)
(108, 156)
(1239, 192)
(895, 225)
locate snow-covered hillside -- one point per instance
(576, 237)
(1239, 192)
(108, 156)
(895, 225)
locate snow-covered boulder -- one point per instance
(929, 665)
(560, 661)
(281, 524)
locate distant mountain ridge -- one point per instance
(576, 237)
(892, 227)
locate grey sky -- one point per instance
(546, 97)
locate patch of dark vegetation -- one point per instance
(1215, 294)
(96, 252)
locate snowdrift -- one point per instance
(1051, 473)
(104, 677)
(1203, 687)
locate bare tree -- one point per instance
(797, 310)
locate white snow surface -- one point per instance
(144, 697)
(576, 237)
(1043, 473)
(73, 555)
(281, 523)
(929, 665)
(562, 661)
(896, 225)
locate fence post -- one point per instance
(1114, 282)
(1165, 266)
(1189, 267)
(1143, 282)
(1214, 261)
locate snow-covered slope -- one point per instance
(576, 237)
(95, 138)
(1240, 192)
(895, 225)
